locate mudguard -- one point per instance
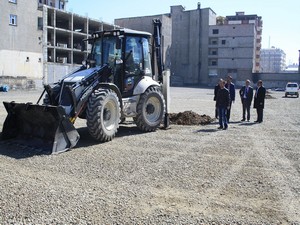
(143, 85)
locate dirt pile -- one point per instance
(268, 95)
(189, 118)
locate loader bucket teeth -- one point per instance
(44, 127)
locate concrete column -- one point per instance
(54, 35)
(299, 62)
(72, 38)
(44, 46)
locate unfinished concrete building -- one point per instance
(42, 41)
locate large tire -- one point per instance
(103, 114)
(150, 110)
(56, 91)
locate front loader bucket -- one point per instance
(45, 127)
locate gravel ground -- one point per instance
(248, 174)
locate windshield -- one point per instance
(104, 51)
(292, 85)
(137, 56)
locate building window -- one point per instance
(40, 23)
(213, 41)
(213, 51)
(215, 31)
(232, 71)
(223, 42)
(213, 72)
(13, 1)
(12, 20)
(213, 62)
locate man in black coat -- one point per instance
(231, 88)
(217, 88)
(246, 93)
(223, 103)
(259, 101)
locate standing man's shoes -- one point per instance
(220, 128)
(243, 120)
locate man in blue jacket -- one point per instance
(246, 94)
(231, 88)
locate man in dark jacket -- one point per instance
(231, 88)
(222, 103)
(259, 101)
(246, 93)
(217, 88)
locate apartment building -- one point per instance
(43, 40)
(203, 47)
(272, 60)
(184, 40)
(20, 40)
(234, 47)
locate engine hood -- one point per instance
(83, 74)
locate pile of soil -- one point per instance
(268, 95)
(189, 118)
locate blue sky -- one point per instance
(281, 19)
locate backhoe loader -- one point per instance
(114, 82)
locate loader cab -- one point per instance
(127, 53)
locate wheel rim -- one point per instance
(110, 115)
(152, 109)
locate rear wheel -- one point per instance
(150, 110)
(103, 114)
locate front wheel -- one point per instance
(103, 114)
(150, 110)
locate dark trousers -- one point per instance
(260, 114)
(216, 113)
(228, 111)
(223, 117)
(246, 108)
